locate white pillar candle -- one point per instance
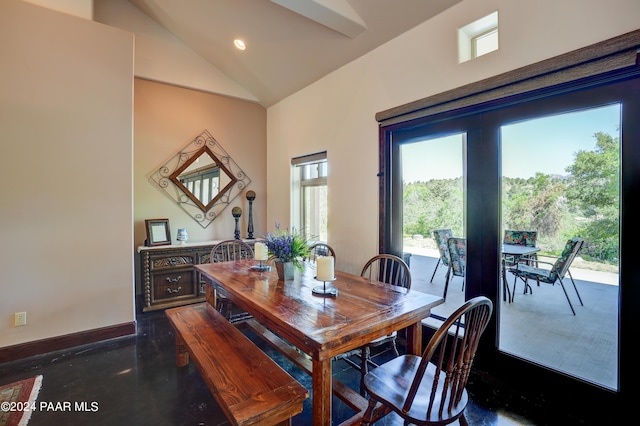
(325, 268)
(260, 251)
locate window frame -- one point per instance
(301, 183)
(477, 37)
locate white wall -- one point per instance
(337, 113)
(66, 144)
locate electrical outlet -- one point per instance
(19, 318)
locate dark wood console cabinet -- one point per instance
(168, 275)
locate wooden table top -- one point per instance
(320, 326)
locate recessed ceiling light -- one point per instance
(239, 44)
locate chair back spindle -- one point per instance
(387, 268)
(320, 249)
(228, 250)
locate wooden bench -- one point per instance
(248, 385)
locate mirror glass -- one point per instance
(203, 178)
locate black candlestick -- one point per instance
(251, 195)
(237, 212)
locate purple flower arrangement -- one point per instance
(287, 246)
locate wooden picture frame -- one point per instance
(158, 233)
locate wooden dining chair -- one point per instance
(431, 389)
(441, 236)
(457, 248)
(225, 251)
(556, 274)
(389, 269)
(319, 249)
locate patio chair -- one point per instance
(389, 269)
(441, 236)
(431, 389)
(226, 251)
(520, 238)
(550, 276)
(457, 248)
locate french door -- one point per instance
(499, 141)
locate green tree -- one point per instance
(594, 190)
(432, 205)
(534, 204)
(583, 204)
(595, 176)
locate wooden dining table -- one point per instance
(311, 330)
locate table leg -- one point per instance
(414, 339)
(321, 390)
(506, 293)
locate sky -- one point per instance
(548, 144)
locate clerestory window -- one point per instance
(478, 38)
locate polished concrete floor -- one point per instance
(134, 381)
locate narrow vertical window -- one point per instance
(310, 195)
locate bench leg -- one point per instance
(182, 356)
(284, 423)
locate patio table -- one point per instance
(517, 252)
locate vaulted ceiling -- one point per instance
(290, 43)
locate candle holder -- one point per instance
(251, 195)
(183, 236)
(260, 253)
(260, 267)
(324, 290)
(236, 212)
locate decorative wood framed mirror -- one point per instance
(202, 178)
